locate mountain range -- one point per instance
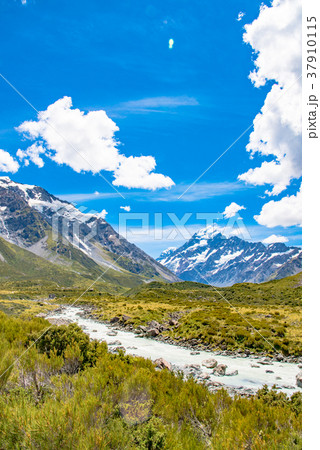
(48, 240)
(43, 236)
(212, 258)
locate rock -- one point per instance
(220, 370)
(192, 366)
(287, 386)
(264, 363)
(278, 378)
(114, 343)
(94, 331)
(112, 333)
(231, 374)
(194, 353)
(132, 348)
(269, 371)
(125, 318)
(120, 349)
(279, 357)
(162, 364)
(299, 379)
(115, 319)
(210, 363)
(205, 376)
(152, 332)
(300, 366)
(255, 366)
(173, 322)
(215, 383)
(154, 324)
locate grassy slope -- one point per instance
(215, 317)
(19, 267)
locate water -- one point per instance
(248, 377)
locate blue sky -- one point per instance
(183, 106)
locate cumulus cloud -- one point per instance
(274, 238)
(86, 142)
(126, 208)
(285, 212)
(137, 172)
(232, 210)
(7, 162)
(275, 37)
(33, 154)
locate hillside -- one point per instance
(57, 232)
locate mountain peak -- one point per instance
(213, 258)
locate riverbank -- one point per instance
(243, 373)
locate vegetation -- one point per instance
(22, 268)
(68, 392)
(256, 317)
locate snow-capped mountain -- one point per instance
(209, 257)
(57, 231)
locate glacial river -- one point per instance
(279, 373)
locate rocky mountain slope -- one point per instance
(59, 233)
(209, 257)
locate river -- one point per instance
(248, 379)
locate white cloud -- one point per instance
(86, 142)
(274, 238)
(137, 172)
(33, 153)
(7, 163)
(156, 104)
(240, 16)
(275, 37)
(126, 208)
(285, 212)
(102, 214)
(232, 210)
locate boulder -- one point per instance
(162, 364)
(269, 371)
(173, 322)
(125, 318)
(220, 370)
(210, 363)
(192, 367)
(115, 319)
(114, 343)
(195, 353)
(153, 332)
(255, 366)
(154, 324)
(112, 333)
(231, 374)
(215, 384)
(299, 379)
